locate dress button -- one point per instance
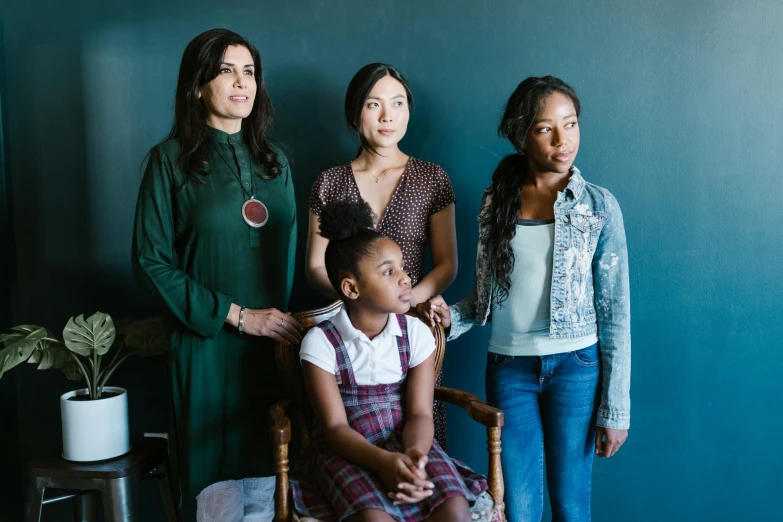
(246, 184)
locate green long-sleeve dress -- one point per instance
(192, 249)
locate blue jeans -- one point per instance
(549, 404)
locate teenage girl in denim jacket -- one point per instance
(552, 271)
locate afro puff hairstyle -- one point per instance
(348, 225)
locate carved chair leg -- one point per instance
(282, 509)
(496, 485)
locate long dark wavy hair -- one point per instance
(200, 65)
(521, 110)
(359, 89)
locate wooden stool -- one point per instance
(116, 480)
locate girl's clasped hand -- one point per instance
(405, 477)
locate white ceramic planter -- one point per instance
(95, 430)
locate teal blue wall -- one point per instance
(681, 121)
(10, 478)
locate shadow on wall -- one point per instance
(11, 478)
(67, 226)
(313, 144)
(49, 171)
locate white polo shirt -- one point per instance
(373, 362)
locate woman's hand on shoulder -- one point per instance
(435, 310)
(268, 322)
(406, 482)
(613, 440)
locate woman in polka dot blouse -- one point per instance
(413, 200)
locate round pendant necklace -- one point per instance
(254, 212)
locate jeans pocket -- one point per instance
(589, 356)
(496, 360)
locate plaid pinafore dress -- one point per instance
(332, 489)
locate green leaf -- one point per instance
(72, 371)
(50, 355)
(88, 336)
(123, 324)
(7, 339)
(36, 357)
(61, 358)
(19, 349)
(26, 328)
(147, 337)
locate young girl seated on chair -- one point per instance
(370, 374)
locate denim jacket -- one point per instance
(590, 289)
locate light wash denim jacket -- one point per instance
(590, 289)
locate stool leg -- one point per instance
(34, 500)
(119, 499)
(85, 507)
(167, 492)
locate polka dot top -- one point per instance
(423, 190)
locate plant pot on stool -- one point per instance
(95, 429)
(95, 418)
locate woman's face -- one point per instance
(385, 114)
(230, 95)
(553, 139)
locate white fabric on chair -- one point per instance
(246, 500)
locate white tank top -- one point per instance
(521, 325)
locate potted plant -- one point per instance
(95, 418)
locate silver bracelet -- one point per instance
(241, 325)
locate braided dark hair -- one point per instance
(348, 225)
(200, 65)
(520, 113)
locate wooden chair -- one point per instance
(288, 363)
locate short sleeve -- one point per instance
(442, 191)
(317, 349)
(319, 194)
(421, 340)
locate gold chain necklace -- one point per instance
(387, 169)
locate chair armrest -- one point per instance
(490, 417)
(477, 409)
(281, 424)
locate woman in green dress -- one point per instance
(215, 240)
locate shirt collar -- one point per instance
(347, 332)
(576, 184)
(218, 136)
